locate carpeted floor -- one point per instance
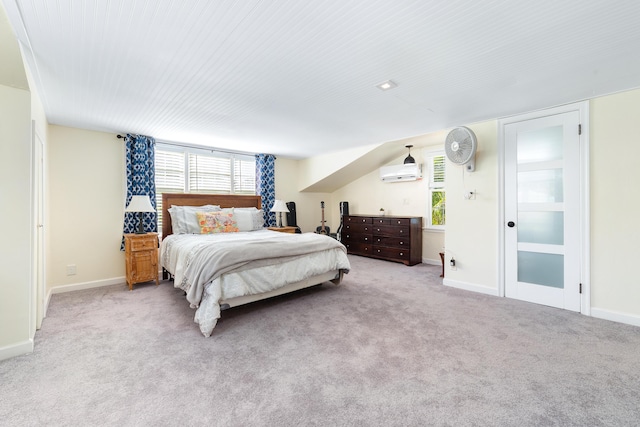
(391, 346)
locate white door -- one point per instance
(38, 221)
(542, 210)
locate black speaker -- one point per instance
(344, 209)
(292, 220)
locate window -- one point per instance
(196, 170)
(436, 214)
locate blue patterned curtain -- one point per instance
(141, 180)
(266, 185)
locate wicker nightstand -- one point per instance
(141, 253)
(284, 229)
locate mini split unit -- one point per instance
(400, 173)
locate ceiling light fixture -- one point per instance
(389, 84)
(409, 158)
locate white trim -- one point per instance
(585, 209)
(432, 262)
(470, 287)
(615, 316)
(87, 285)
(18, 349)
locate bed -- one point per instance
(238, 262)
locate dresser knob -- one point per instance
(401, 253)
(402, 243)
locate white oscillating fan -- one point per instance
(460, 147)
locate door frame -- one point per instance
(585, 238)
(38, 261)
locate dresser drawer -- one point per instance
(401, 221)
(358, 248)
(381, 221)
(357, 220)
(390, 230)
(357, 238)
(357, 228)
(143, 243)
(394, 253)
(395, 242)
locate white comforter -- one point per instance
(215, 267)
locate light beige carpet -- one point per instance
(391, 346)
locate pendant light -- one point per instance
(409, 159)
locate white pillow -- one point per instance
(184, 219)
(249, 219)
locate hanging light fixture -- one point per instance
(409, 159)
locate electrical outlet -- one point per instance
(452, 264)
(71, 269)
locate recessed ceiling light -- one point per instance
(389, 84)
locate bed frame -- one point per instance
(237, 201)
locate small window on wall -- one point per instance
(436, 217)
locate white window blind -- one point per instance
(209, 174)
(181, 169)
(170, 175)
(437, 196)
(244, 176)
(437, 172)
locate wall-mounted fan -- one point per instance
(460, 147)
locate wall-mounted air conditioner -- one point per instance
(399, 173)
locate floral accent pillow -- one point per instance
(216, 222)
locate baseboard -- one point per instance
(431, 261)
(18, 349)
(614, 316)
(87, 285)
(470, 287)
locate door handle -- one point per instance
(511, 224)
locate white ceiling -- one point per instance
(297, 78)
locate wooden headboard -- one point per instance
(224, 200)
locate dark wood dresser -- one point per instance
(392, 238)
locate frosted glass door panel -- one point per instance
(541, 227)
(541, 269)
(541, 145)
(541, 186)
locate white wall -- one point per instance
(471, 236)
(615, 206)
(308, 213)
(86, 207)
(16, 318)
